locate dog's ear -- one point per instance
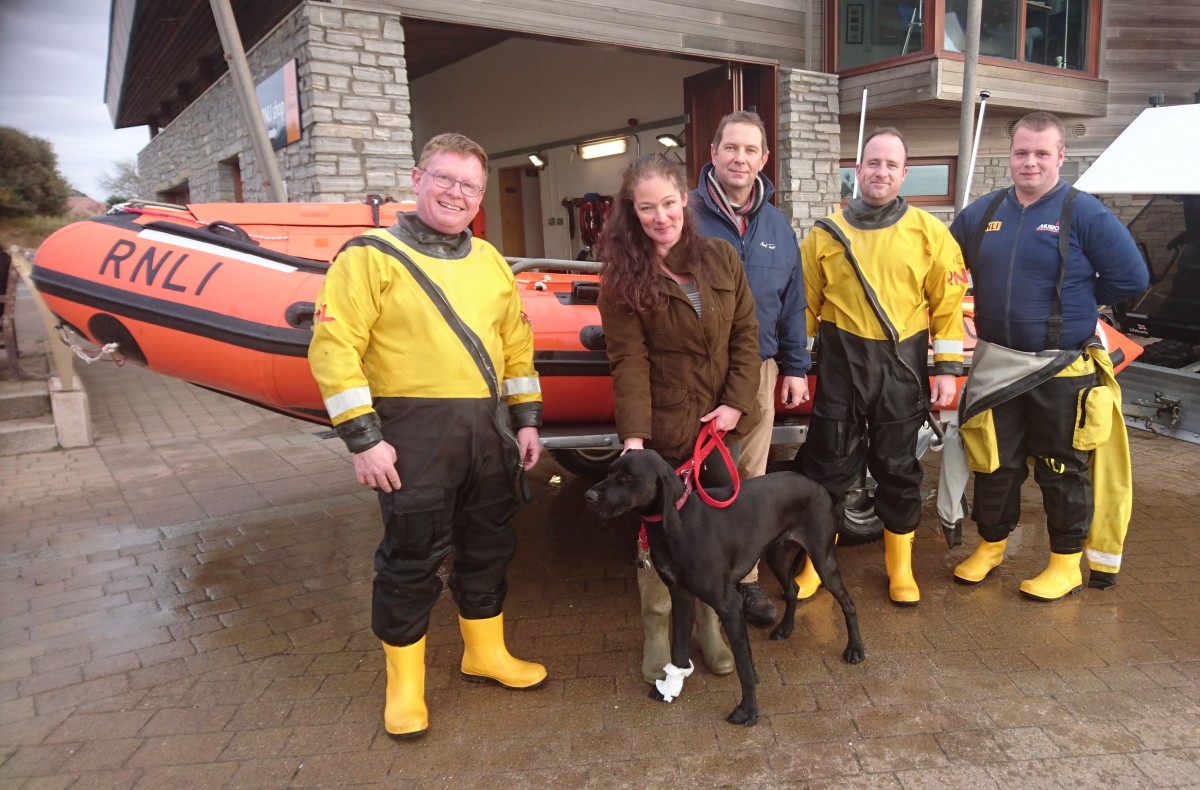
(670, 489)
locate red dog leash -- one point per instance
(708, 440)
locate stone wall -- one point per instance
(356, 137)
(360, 107)
(807, 154)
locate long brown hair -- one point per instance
(630, 275)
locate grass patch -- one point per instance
(29, 232)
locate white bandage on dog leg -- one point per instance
(672, 687)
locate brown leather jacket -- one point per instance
(670, 367)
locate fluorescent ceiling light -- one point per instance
(670, 140)
(536, 160)
(599, 148)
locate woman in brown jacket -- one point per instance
(682, 344)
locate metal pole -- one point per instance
(966, 118)
(862, 120)
(983, 97)
(243, 86)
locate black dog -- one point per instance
(701, 551)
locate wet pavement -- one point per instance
(186, 604)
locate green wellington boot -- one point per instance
(656, 619)
(717, 655)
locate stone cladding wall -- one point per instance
(808, 147)
(356, 134)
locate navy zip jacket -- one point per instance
(1016, 269)
(771, 255)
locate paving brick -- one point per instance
(110, 665)
(71, 696)
(899, 753)
(344, 768)
(49, 680)
(87, 727)
(265, 772)
(180, 750)
(261, 713)
(267, 646)
(259, 744)
(210, 775)
(231, 636)
(27, 761)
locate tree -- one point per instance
(29, 179)
(122, 183)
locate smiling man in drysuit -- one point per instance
(1043, 257)
(420, 346)
(884, 278)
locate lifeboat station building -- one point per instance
(350, 89)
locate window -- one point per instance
(180, 195)
(1054, 34)
(930, 181)
(1040, 32)
(229, 179)
(875, 30)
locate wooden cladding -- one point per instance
(939, 80)
(768, 31)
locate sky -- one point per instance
(53, 59)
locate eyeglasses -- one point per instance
(446, 182)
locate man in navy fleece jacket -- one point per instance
(731, 202)
(1015, 262)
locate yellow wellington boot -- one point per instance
(808, 582)
(486, 658)
(404, 711)
(656, 619)
(897, 555)
(986, 558)
(717, 656)
(1061, 578)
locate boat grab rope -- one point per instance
(111, 349)
(149, 212)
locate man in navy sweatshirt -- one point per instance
(1043, 257)
(731, 202)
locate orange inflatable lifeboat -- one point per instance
(222, 295)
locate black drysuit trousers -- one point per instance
(456, 477)
(869, 409)
(1039, 423)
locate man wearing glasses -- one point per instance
(418, 335)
